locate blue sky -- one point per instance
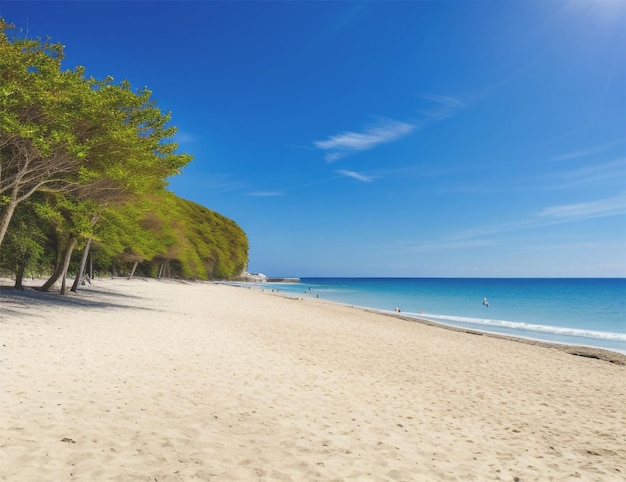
(422, 139)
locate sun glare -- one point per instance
(602, 11)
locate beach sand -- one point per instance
(167, 381)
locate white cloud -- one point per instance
(356, 175)
(592, 209)
(550, 216)
(586, 152)
(444, 107)
(266, 194)
(607, 171)
(214, 182)
(346, 143)
(490, 234)
(456, 244)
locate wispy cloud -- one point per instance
(213, 182)
(427, 246)
(592, 209)
(347, 143)
(266, 194)
(549, 216)
(612, 171)
(356, 175)
(585, 152)
(552, 215)
(442, 107)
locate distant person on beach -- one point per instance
(485, 302)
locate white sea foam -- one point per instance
(557, 330)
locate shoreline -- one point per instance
(604, 354)
(588, 339)
(612, 356)
(174, 380)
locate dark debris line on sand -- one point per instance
(583, 351)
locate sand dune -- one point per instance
(165, 381)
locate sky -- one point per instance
(383, 138)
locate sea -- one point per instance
(573, 311)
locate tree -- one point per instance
(131, 232)
(38, 147)
(207, 245)
(73, 222)
(24, 245)
(63, 132)
(91, 148)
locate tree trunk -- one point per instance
(19, 277)
(63, 279)
(5, 219)
(61, 269)
(133, 270)
(81, 268)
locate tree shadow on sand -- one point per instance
(15, 302)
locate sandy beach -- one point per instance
(170, 381)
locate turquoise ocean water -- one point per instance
(588, 311)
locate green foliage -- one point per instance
(217, 247)
(90, 158)
(25, 244)
(195, 242)
(61, 131)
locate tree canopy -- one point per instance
(98, 155)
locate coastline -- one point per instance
(579, 350)
(578, 312)
(202, 381)
(612, 356)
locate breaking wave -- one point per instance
(515, 325)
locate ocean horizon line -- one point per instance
(452, 277)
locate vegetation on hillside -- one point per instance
(83, 170)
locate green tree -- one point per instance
(25, 243)
(93, 148)
(208, 245)
(73, 221)
(131, 232)
(63, 132)
(38, 148)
